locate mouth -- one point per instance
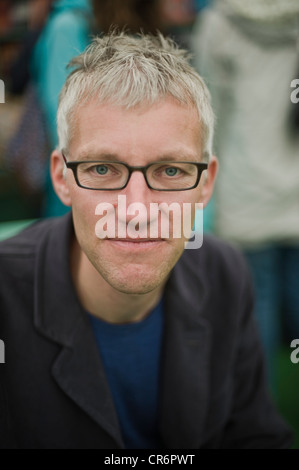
(137, 244)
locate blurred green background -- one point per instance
(288, 386)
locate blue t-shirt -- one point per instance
(131, 354)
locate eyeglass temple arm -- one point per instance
(63, 156)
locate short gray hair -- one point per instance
(129, 71)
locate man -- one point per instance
(119, 338)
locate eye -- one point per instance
(101, 169)
(172, 171)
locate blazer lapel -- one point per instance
(79, 372)
(78, 369)
(186, 362)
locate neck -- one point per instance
(100, 299)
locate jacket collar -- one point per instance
(187, 348)
(78, 369)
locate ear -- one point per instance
(209, 179)
(58, 179)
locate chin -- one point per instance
(133, 289)
(135, 279)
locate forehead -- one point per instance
(144, 132)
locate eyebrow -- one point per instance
(94, 156)
(105, 156)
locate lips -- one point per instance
(134, 245)
(136, 240)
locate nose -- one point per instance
(138, 199)
(137, 189)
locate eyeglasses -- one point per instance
(159, 176)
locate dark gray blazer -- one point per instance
(53, 390)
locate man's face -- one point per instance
(139, 136)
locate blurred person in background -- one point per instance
(29, 136)
(68, 31)
(178, 12)
(247, 53)
(20, 25)
(38, 11)
(201, 4)
(179, 17)
(5, 17)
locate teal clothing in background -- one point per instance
(209, 217)
(66, 34)
(201, 4)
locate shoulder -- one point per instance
(210, 21)
(62, 29)
(70, 19)
(218, 267)
(224, 257)
(214, 34)
(65, 31)
(25, 241)
(216, 260)
(19, 252)
(70, 14)
(216, 278)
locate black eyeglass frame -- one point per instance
(201, 166)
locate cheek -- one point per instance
(84, 203)
(189, 209)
